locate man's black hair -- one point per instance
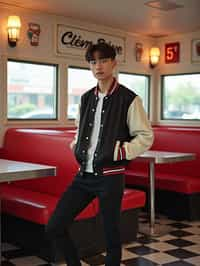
(105, 51)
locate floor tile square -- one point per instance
(180, 225)
(161, 246)
(180, 242)
(161, 258)
(166, 237)
(133, 244)
(146, 240)
(180, 233)
(139, 262)
(194, 260)
(194, 238)
(177, 263)
(194, 248)
(181, 253)
(193, 230)
(128, 255)
(142, 250)
(166, 221)
(193, 223)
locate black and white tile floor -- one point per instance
(179, 248)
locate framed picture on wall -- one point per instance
(195, 53)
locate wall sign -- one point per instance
(172, 52)
(34, 33)
(195, 50)
(74, 41)
(138, 51)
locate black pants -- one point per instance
(109, 191)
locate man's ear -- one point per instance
(114, 63)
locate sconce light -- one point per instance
(154, 56)
(14, 25)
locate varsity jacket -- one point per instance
(125, 131)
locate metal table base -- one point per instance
(153, 157)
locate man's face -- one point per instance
(102, 68)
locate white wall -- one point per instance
(45, 52)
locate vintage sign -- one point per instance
(195, 51)
(33, 33)
(138, 51)
(172, 52)
(74, 41)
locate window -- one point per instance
(139, 84)
(181, 97)
(79, 81)
(31, 90)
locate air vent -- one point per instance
(164, 5)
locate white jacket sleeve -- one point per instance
(139, 128)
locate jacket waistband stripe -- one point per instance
(113, 170)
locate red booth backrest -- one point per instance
(49, 147)
(176, 140)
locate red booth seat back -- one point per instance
(175, 140)
(49, 147)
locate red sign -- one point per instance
(172, 52)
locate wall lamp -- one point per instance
(154, 56)
(13, 27)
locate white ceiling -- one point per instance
(129, 15)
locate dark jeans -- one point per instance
(109, 191)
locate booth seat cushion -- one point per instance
(133, 199)
(165, 181)
(34, 206)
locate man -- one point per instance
(112, 129)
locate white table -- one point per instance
(15, 170)
(159, 157)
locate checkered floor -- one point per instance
(179, 248)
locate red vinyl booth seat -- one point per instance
(182, 177)
(34, 206)
(35, 200)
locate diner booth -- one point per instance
(43, 74)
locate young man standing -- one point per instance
(112, 129)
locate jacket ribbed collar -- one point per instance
(113, 87)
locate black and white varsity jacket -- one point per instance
(125, 131)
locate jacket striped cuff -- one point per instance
(121, 154)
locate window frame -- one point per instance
(56, 90)
(162, 99)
